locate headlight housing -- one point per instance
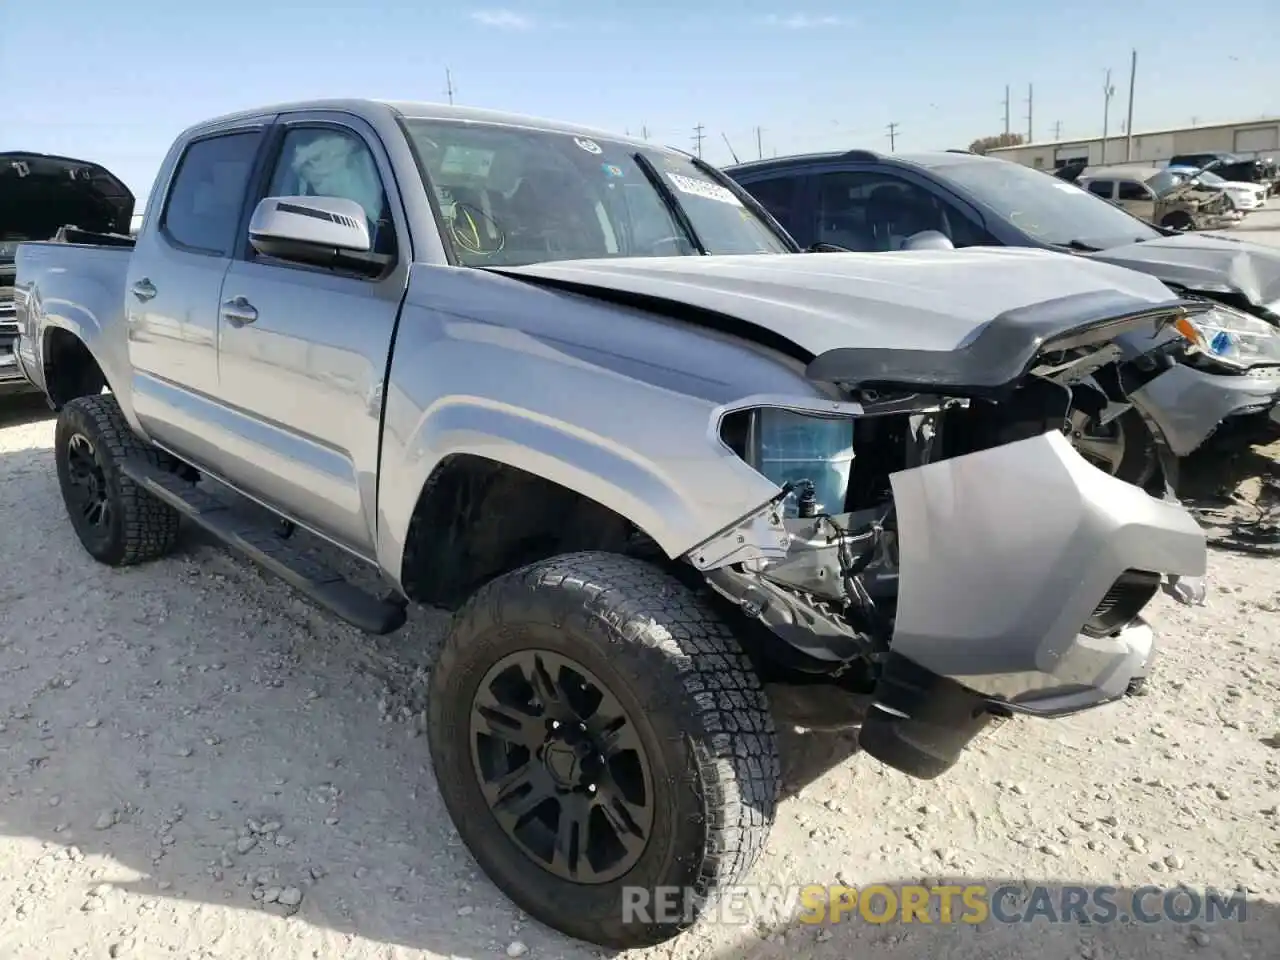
(787, 446)
(1232, 338)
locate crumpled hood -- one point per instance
(40, 193)
(1205, 263)
(910, 300)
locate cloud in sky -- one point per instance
(802, 21)
(502, 19)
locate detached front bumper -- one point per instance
(1022, 571)
(1189, 405)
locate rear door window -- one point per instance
(1102, 188)
(208, 192)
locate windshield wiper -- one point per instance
(669, 201)
(1078, 245)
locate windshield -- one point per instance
(512, 195)
(1044, 207)
(1164, 181)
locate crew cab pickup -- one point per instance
(588, 395)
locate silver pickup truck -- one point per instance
(585, 393)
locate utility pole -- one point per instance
(644, 132)
(1057, 130)
(698, 137)
(759, 145)
(1107, 92)
(733, 153)
(1006, 109)
(893, 137)
(448, 84)
(1030, 92)
(1128, 125)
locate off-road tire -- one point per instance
(141, 528)
(1177, 221)
(698, 706)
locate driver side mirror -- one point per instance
(316, 231)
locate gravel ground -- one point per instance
(196, 763)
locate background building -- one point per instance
(1248, 138)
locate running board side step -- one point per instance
(322, 586)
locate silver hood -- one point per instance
(934, 300)
(1205, 263)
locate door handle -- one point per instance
(239, 311)
(144, 289)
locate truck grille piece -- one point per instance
(1131, 592)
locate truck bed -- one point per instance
(77, 285)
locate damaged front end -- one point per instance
(936, 535)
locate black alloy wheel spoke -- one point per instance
(562, 766)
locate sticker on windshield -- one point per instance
(611, 170)
(588, 145)
(1068, 188)
(703, 188)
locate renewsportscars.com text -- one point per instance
(936, 904)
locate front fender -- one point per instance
(633, 432)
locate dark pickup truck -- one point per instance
(39, 194)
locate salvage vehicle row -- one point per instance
(1225, 388)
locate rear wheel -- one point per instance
(1177, 221)
(598, 736)
(1122, 447)
(117, 521)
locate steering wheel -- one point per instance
(676, 242)
(467, 230)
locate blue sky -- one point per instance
(114, 82)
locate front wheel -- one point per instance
(1123, 447)
(603, 747)
(1177, 221)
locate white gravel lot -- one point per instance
(196, 763)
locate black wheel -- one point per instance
(598, 736)
(1177, 221)
(1123, 447)
(117, 522)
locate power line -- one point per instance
(698, 137)
(893, 137)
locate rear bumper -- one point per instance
(1189, 405)
(12, 378)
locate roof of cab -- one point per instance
(929, 158)
(1119, 173)
(368, 108)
